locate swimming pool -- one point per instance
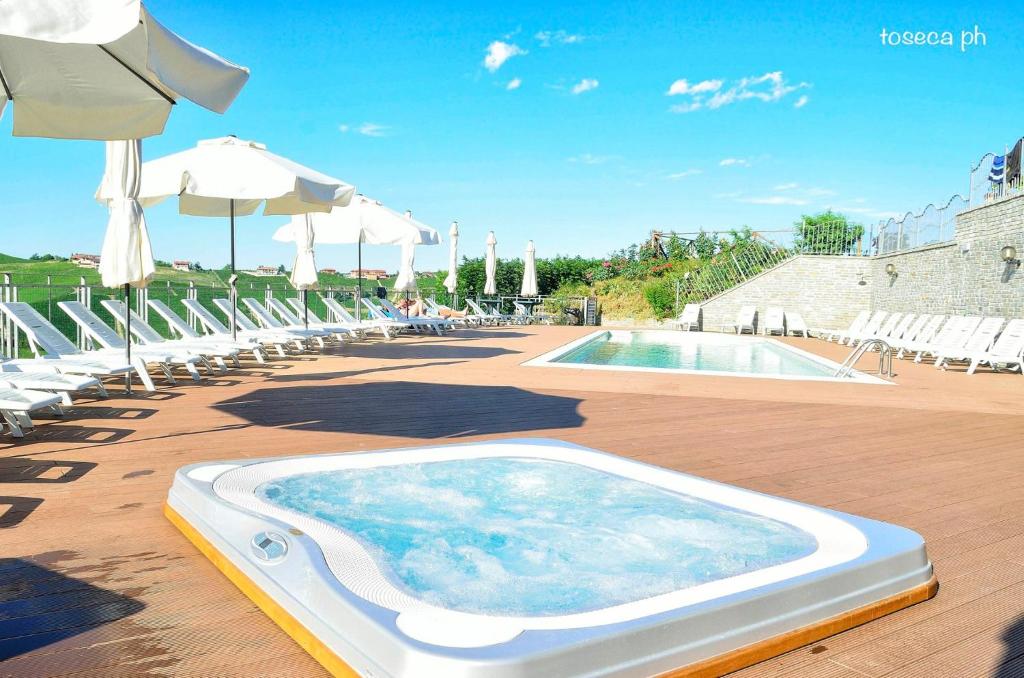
(694, 353)
(534, 557)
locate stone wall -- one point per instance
(827, 291)
(966, 277)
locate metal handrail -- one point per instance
(884, 357)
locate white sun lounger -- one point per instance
(181, 328)
(881, 332)
(53, 348)
(923, 330)
(980, 341)
(795, 324)
(774, 321)
(436, 310)
(689, 319)
(244, 324)
(835, 334)
(384, 326)
(149, 337)
(341, 332)
(746, 320)
(32, 375)
(870, 329)
(523, 316)
(421, 323)
(218, 330)
(16, 404)
(952, 337)
(354, 329)
(1007, 350)
(99, 332)
(485, 316)
(267, 321)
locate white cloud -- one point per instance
(819, 192)
(585, 85)
(774, 200)
(499, 52)
(786, 187)
(685, 173)
(770, 87)
(514, 83)
(731, 195)
(372, 129)
(590, 159)
(734, 162)
(343, 128)
(802, 101)
(561, 37)
(683, 87)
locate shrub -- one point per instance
(661, 296)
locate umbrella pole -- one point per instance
(359, 280)
(305, 307)
(128, 337)
(231, 280)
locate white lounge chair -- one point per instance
(51, 347)
(418, 322)
(746, 320)
(384, 326)
(436, 310)
(952, 337)
(35, 376)
(340, 331)
(267, 321)
(16, 404)
(244, 324)
(774, 321)
(921, 331)
(147, 336)
(523, 315)
(870, 329)
(181, 328)
(856, 326)
(100, 333)
(795, 324)
(980, 341)
(485, 316)
(882, 332)
(218, 330)
(1007, 350)
(690, 318)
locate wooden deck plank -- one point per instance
(923, 454)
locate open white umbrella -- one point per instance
(98, 69)
(529, 288)
(229, 177)
(368, 221)
(452, 280)
(491, 265)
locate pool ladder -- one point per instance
(884, 358)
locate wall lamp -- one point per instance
(890, 269)
(1009, 255)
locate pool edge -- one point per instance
(313, 646)
(744, 657)
(728, 662)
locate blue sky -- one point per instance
(567, 134)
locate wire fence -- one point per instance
(933, 225)
(995, 178)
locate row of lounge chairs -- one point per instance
(775, 321)
(60, 368)
(974, 340)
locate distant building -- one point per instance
(370, 273)
(265, 270)
(329, 271)
(182, 266)
(86, 260)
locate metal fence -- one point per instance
(983, 190)
(933, 225)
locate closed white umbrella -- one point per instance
(304, 276)
(491, 265)
(365, 220)
(229, 177)
(106, 70)
(406, 280)
(102, 69)
(452, 280)
(529, 288)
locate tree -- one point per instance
(675, 249)
(826, 233)
(280, 269)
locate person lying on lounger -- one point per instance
(416, 307)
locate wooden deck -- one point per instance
(95, 582)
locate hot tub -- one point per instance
(536, 558)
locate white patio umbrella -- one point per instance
(491, 265)
(229, 177)
(368, 221)
(304, 276)
(452, 280)
(96, 69)
(406, 280)
(529, 288)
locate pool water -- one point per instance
(694, 352)
(513, 536)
